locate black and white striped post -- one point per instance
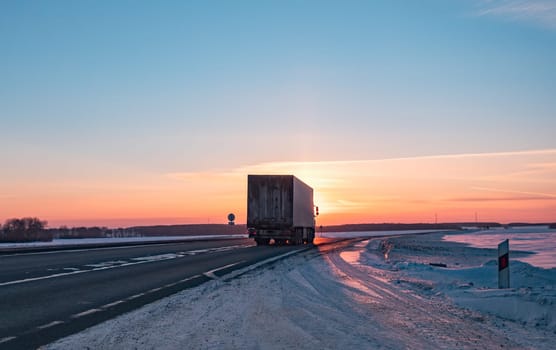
(504, 264)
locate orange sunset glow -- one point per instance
(503, 187)
(392, 113)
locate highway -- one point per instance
(48, 295)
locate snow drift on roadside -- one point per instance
(470, 279)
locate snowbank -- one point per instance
(471, 279)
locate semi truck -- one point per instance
(280, 209)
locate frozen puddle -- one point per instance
(352, 256)
(344, 299)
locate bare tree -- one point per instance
(25, 230)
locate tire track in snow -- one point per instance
(416, 320)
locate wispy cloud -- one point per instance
(297, 167)
(501, 199)
(281, 165)
(539, 194)
(541, 12)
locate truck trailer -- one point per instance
(280, 208)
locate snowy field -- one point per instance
(538, 239)
(379, 293)
(365, 234)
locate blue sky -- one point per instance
(94, 89)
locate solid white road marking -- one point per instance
(170, 242)
(85, 313)
(210, 274)
(77, 250)
(41, 278)
(260, 263)
(51, 324)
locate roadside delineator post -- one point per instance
(504, 264)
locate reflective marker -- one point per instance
(504, 264)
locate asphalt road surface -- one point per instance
(48, 295)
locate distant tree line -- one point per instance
(190, 229)
(30, 229)
(147, 231)
(24, 230)
(91, 232)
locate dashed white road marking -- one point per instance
(115, 264)
(85, 313)
(209, 274)
(6, 339)
(188, 279)
(159, 257)
(135, 296)
(107, 263)
(51, 324)
(107, 306)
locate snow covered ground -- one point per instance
(365, 234)
(379, 293)
(111, 240)
(538, 239)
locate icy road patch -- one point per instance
(348, 298)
